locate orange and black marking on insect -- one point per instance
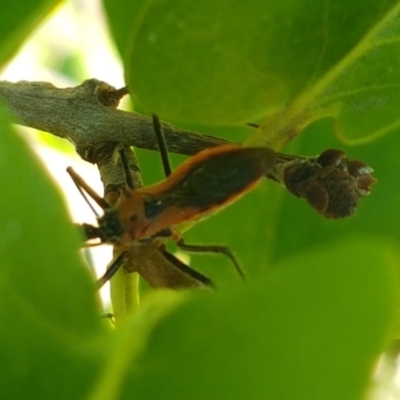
(202, 185)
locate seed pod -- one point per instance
(331, 183)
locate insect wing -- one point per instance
(207, 182)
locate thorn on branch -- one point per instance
(108, 96)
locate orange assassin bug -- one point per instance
(199, 187)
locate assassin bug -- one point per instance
(202, 185)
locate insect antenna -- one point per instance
(83, 194)
(162, 145)
(85, 189)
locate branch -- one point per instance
(87, 114)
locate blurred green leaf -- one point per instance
(17, 21)
(50, 320)
(131, 340)
(311, 328)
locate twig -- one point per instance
(87, 114)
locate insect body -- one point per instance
(202, 185)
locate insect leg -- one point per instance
(115, 264)
(162, 145)
(212, 249)
(125, 167)
(83, 186)
(186, 269)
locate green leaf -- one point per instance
(363, 87)
(50, 325)
(222, 63)
(124, 18)
(17, 20)
(311, 328)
